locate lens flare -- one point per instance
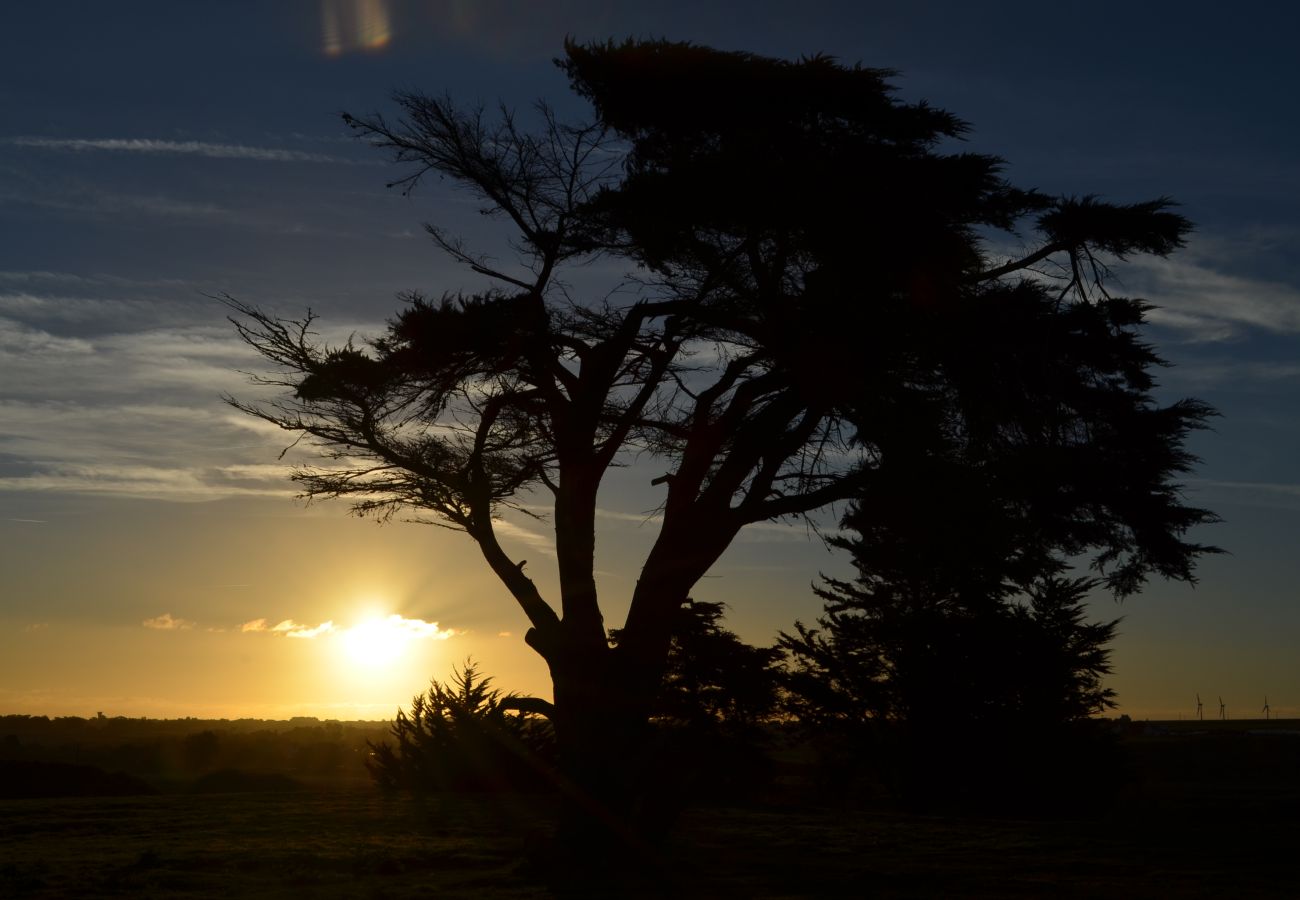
(348, 26)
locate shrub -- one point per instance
(465, 735)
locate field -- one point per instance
(1212, 812)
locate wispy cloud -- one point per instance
(141, 482)
(1196, 294)
(43, 276)
(167, 622)
(155, 147)
(89, 202)
(650, 518)
(105, 204)
(393, 628)
(136, 414)
(414, 629)
(752, 533)
(542, 543)
(113, 386)
(290, 628)
(79, 311)
(1205, 304)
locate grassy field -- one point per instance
(1213, 814)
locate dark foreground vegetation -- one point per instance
(1207, 809)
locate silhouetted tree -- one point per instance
(712, 678)
(959, 607)
(464, 735)
(955, 670)
(817, 301)
(949, 662)
(717, 693)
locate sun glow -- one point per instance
(374, 643)
(380, 641)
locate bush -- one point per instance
(464, 735)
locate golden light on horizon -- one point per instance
(348, 26)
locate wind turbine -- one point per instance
(1266, 715)
(1223, 710)
(1199, 716)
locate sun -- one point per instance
(381, 644)
(376, 642)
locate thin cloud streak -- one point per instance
(154, 147)
(1266, 487)
(44, 276)
(138, 482)
(1258, 494)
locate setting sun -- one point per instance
(376, 642)
(380, 641)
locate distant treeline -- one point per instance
(180, 754)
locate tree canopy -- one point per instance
(819, 310)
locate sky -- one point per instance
(153, 559)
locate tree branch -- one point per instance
(1016, 265)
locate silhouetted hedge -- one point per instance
(32, 778)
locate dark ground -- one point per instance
(1209, 814)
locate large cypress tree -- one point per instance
(818, 304)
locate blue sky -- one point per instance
(153, 154)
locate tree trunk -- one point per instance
(609, 826)
(620, 796)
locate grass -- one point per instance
(1210, 815)
(358, 844)
(310, 844)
